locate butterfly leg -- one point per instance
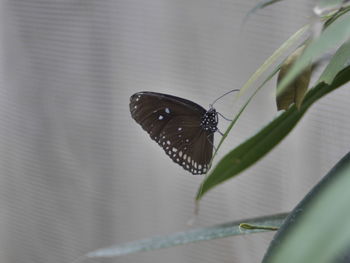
(211, 143)
(224, 117)
(220, 132)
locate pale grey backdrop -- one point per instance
(77, 173)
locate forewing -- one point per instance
(154, 110)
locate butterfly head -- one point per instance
(209, 120)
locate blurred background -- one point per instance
(76, 171)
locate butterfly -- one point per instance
(184, 129)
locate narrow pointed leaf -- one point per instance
(318, 229)
(263, 68)
(326, 6)
(258, 6)
(334, 35)
(195, 235)
(260, 144)
(295, 91)
(274, 57)
(340, 60)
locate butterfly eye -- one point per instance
(181, 127)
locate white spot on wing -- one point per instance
(167, 110)
(168, 142)
(179, 129)
(160, 117)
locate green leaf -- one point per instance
(266, 65)
(262, 4)
(195, 235)
(334, 35)
(231, 126)
(260, 144)
(318, 229)
(273, 58)
(258, 6)
(340, 60)
(295, 91)
(326, 6)
(333, 16)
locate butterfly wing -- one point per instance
(174, 123)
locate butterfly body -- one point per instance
(184, 129)
(210, 120)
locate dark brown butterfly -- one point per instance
(184, 129)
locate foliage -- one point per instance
(323, 214)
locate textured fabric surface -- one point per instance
(77, 173)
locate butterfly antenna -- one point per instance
(223, 95)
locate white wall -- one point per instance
(77, 173)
